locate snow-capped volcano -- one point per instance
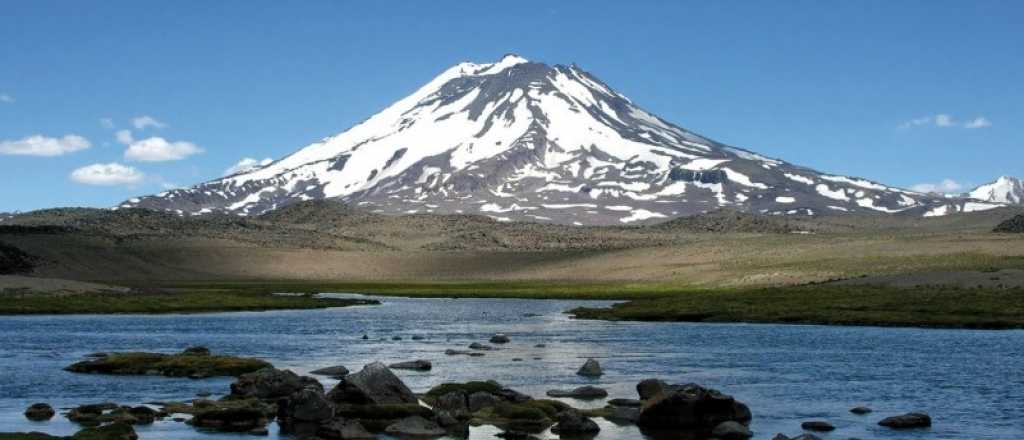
(1009, 190)
(520, 140)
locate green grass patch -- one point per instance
(182, 301)
(171, 365)
(831, 304)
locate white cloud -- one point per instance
(247, 164)
(7, 99)
(124, 137)
(143, 122)
(945, 121)
(107, 174)
(40, 145)
(158, 149)
(946, 186)
(979, 122)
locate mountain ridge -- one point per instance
(520, 140)
(1005, 189)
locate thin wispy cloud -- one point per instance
(124, 137)
(943, 120)
(158, 149)
(979, 122)
(247, 164)
(144, 122)
(946, 186)
(107, 123)
(44, 146)
(107, 174)
(6, 99)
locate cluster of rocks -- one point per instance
(906, 421)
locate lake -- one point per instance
(969, 381)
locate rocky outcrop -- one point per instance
(691, 408)
(907, 421)
(344, 429)
(374, 384)
(1013, 225)
(649, 388)
(271, 384)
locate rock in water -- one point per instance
(693, 408)
(374, 384)
(731, 431)
(419, 365)
(628, 403)
(479, 346)
(649, 388)
(906, 421)
(799, 437)
(344, 429)
(271, 383)
(818, 426)
(861, 410)
(590, 368)
(415, 426)
(113, 431)
(304, 411)
(500, 338)
(336, 371)
(584, 392)
(39, 412)
(571, 423)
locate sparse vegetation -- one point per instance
(191, 301)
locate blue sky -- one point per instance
(905, 92)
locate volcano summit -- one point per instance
(525, 141)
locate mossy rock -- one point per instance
(170, 365)
(384, 412)
(467, 388)
(532, 416)
(114, 431)
(27, 436)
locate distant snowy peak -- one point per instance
(1009, 190)
(520, 140)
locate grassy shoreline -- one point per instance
(826, 304)
(203, 301)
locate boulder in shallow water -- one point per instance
(334, 372)
(39, 412)
(302, 412)
(113, 431)
(374, 384)
(818, 426)
(590, 368)
(860, 410)
(584, 392)
(691, 408)
(731, 430)
(271, 383)
(572, 424)
(649, 388)
(629, 403)
(500, 338)
(907, 421)
(799, 437)
(415, 426)
(418, 365)
(479, 346)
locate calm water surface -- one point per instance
(969, 381)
